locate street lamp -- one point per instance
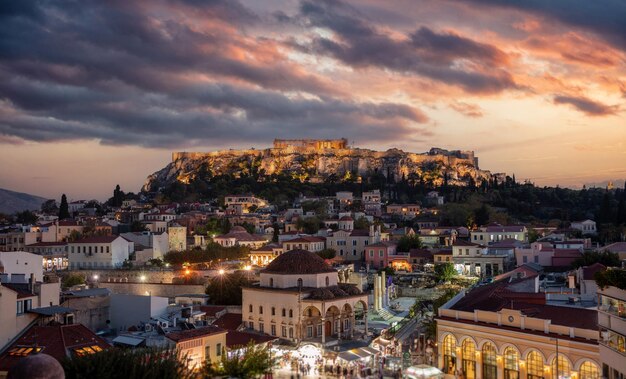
(142, 278)
(95, 277)
(221, 271)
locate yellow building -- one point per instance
(506, 330)
(199, 345)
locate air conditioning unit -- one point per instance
(148, 328)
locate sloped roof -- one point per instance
(235, 338)
(229, 321)
(298, 262)
(590, 271)
(191, 334)
(55, 340)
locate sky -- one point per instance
(98, 93)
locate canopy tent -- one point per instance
(423, 372)
(359, 353)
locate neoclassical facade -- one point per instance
(300, 298)
(495, 332)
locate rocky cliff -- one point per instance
(315, 165)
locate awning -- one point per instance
(359, 353)
(51, 311)
(348, 356)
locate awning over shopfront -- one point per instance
(356, 354)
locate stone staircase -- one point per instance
(385, 314)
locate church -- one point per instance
(300, 298)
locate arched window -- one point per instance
(490, 364)
(284, 312)
(290, 313)
(588, 370)
(250, 307)
(327, 281)
(273, 311)
(534, 363)
(271, 282)
(299, 282)
(561, 368)
(449, 355)
(260, 309)
(469, 358)
(511, 363)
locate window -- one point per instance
(283, 331)
(251, 324)
(371, 253)
(284, 312)
(299, 282)
(250, 308)
(290, 332)
(87, 350)
(28, 304)
(561, 368)
(290, 313)
(511, 363)
(207, 352)
(20, 307)
(449, 355)
(353, 242)
(327, 281)
(309, 331)
(260, 309)
(589, 370)
(536, 258)
(319, 329)
(490, 366)
(273, 311)
(525, 259)
(24, 351)
(469, 358)
(261, 327)
(534, 362)
(271, 282)
(381, 253)
(273, 328)
(218, 349)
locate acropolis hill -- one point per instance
(316, 159)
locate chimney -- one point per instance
(31, 283)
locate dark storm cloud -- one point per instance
(602, 17)
(587, 106)
(127, 73)
(438, 56)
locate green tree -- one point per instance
(408, 242)
(250, 361)
(137, 226)
(25, 217)
(133, 363)
(481, 215)
(309, 225)
(613, 277)
(605, 257)
(361, 223)
(64, 208)
(327, 253)
(226, 289)
(445, 272)
(49, 207)
(276, 233)
(72, 280)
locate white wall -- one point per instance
(129, 310)
(21, 262)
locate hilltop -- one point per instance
(319, 161)
(11, 201)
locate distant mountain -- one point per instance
(11, 201)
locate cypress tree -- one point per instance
(64, 209)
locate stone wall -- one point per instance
(153, 289)
(165, 276)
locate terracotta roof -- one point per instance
(97, 239)
(420, 253)
(615, 247)
(465, 243)
(298, 262)
(41, 244)
(500, 228)
(382, 244)
(68, 223)
(235, 338)
(360, 233)
(306, 239)
(21, 289)
(269, 247)
(57, 341)
(191, 334)
(229, 321)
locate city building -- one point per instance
(612, 324)
(199, 345)
(300, 298)
(379, 255)
(406, 211)
(177, 237)
(586, 227)
(495, 232)
(99, 252)
(506, 330)
(239, 204)
(53, 254)
(238, 236)
(312, 244)
(350, 244)
(474, 260)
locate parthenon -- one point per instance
(317, 144)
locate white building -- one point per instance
(493, 233)
(99, 252)
(131, 310)
(612, 323)
(585, 226)
(300, 298)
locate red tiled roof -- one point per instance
(229, 321)
(298, 262)
(186, 335)
(420, 253)
(306, 239)
(360, 233)
(41, 244)
(235, 338)
(57, 341)
(97, 239)
(465, 243)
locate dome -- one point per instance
(298, 262)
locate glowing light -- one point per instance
(95, 277)
(142, 278)
(187, 272)
(248, 268)
(221, 271)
